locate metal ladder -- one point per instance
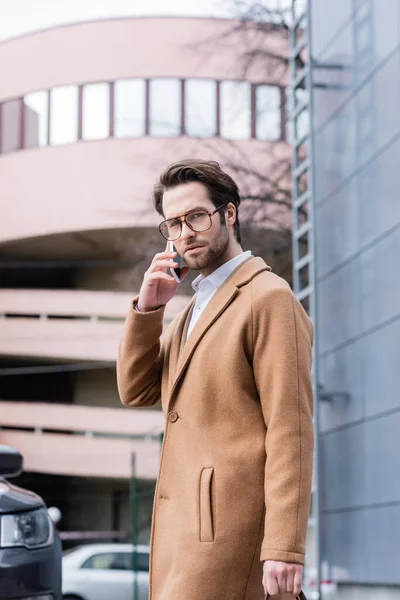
(303, 226)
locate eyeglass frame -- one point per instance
(182, 219)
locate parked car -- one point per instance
(30, 548)
(106, 572)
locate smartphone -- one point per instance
(176, 271)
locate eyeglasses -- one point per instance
(196, 220)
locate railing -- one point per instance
(67, 324)
(80, 304)
(82, 440)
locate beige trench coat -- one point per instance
(235, 475)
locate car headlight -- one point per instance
(32, 529)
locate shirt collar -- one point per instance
(217, 277)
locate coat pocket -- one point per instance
(206, 508)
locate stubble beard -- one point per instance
(214, 253)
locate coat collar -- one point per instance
(225, 294)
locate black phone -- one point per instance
(176, 271)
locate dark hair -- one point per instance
(220, 185)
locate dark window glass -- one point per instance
(10, 125)
(36, 119)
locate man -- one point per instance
(233, 374)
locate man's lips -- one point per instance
(193, 248)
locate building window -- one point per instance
(235, 110)
(165, 107)
(268, 113)
(10, 130)
(36, 119)
(96, 111)
(64, 115)
(129, 108)
(132, 107)
(201, 107)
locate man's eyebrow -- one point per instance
(189, 211)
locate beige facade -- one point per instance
(84, 131)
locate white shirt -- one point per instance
(205, 287)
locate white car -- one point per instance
(106, 572)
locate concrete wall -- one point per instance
(112, 183)
(140, 47)
(58, 323)
(357, 154)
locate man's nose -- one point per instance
(187, 233)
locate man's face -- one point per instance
(200, 250)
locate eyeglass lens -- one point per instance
(197, 221)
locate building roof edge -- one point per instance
(110, 20)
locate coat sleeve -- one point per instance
(140, 358)
(283, 337)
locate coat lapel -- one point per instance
(177, 342)
(225, 294)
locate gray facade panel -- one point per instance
(382, 373)
(342, 377)
(356, 214)
(379, 36)
(339, 307)
(383, 544)
(357, 185)
(336, 84)
(381, 448)
(343, 483)
(328, 19)
(335, 152)
(356, 470)
(368, 372)
(337, 223)
(380, 282)
(362, 546)
(344, 545)
(378, 195)
(361, 295)
(360, 130)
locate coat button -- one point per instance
(173, 416)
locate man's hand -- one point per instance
(282, 578)
(158, 286)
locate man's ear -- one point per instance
(230, 214)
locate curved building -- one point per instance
(101, 110)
